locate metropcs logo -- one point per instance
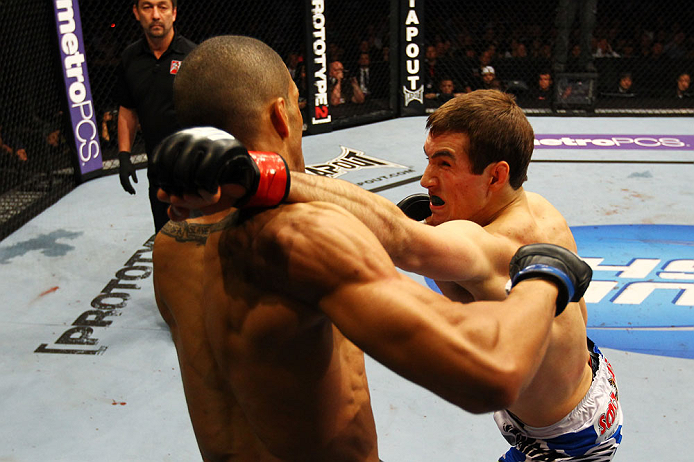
(625, 142)
(75, 75)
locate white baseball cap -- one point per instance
(487, 70)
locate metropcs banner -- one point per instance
(77, 88)
(623, 142)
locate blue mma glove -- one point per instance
(557, 264)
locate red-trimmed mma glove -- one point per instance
(416, 206)
(206, 157)
(557, 264)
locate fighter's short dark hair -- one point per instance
(227, 81)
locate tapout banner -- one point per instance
(411, 57)
(77, 89)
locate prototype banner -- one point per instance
(77, 88)
(318, 109)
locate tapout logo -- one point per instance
(320, 103)
(413, 90)
(76, 83)
(349, 160)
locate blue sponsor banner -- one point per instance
(77, 88)
(641, 297)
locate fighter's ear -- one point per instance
(135, 12)
(280, 117)
(499, 173)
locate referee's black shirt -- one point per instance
(145, 84)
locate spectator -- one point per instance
(12, 146)
(645, 44)
(542, 92)
(363, 72)
(431, 70)
(683, 82)
(604, 49)
(292, 62)
(627, 50)
(445, 93)
(342, 88)
(657, 51)
(485, 59)
(625, 85)
(676, 49)
(301, 84)
(489, 80)
(13, 160)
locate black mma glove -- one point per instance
(126, 169)
(205, 158)
(563, 267)
(416, 206)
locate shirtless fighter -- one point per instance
(479, 146)
(251, 299)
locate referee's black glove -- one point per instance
(126, 170)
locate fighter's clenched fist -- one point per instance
(201, 159)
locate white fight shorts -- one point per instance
(591, 432)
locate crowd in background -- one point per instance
(640, 50)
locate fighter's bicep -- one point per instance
(451, 251)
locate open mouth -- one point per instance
(436, 201)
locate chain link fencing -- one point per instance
(618, 58)
(35, 161)
(640, 62)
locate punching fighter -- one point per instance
(476, 216)
(260, 300)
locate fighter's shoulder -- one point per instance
(539, 204)
(302, 212)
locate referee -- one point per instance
(145, 90)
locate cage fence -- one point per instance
(589, 57)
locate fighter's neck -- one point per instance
(502, 205)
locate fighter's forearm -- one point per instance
(380, 215)
(479, 356)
